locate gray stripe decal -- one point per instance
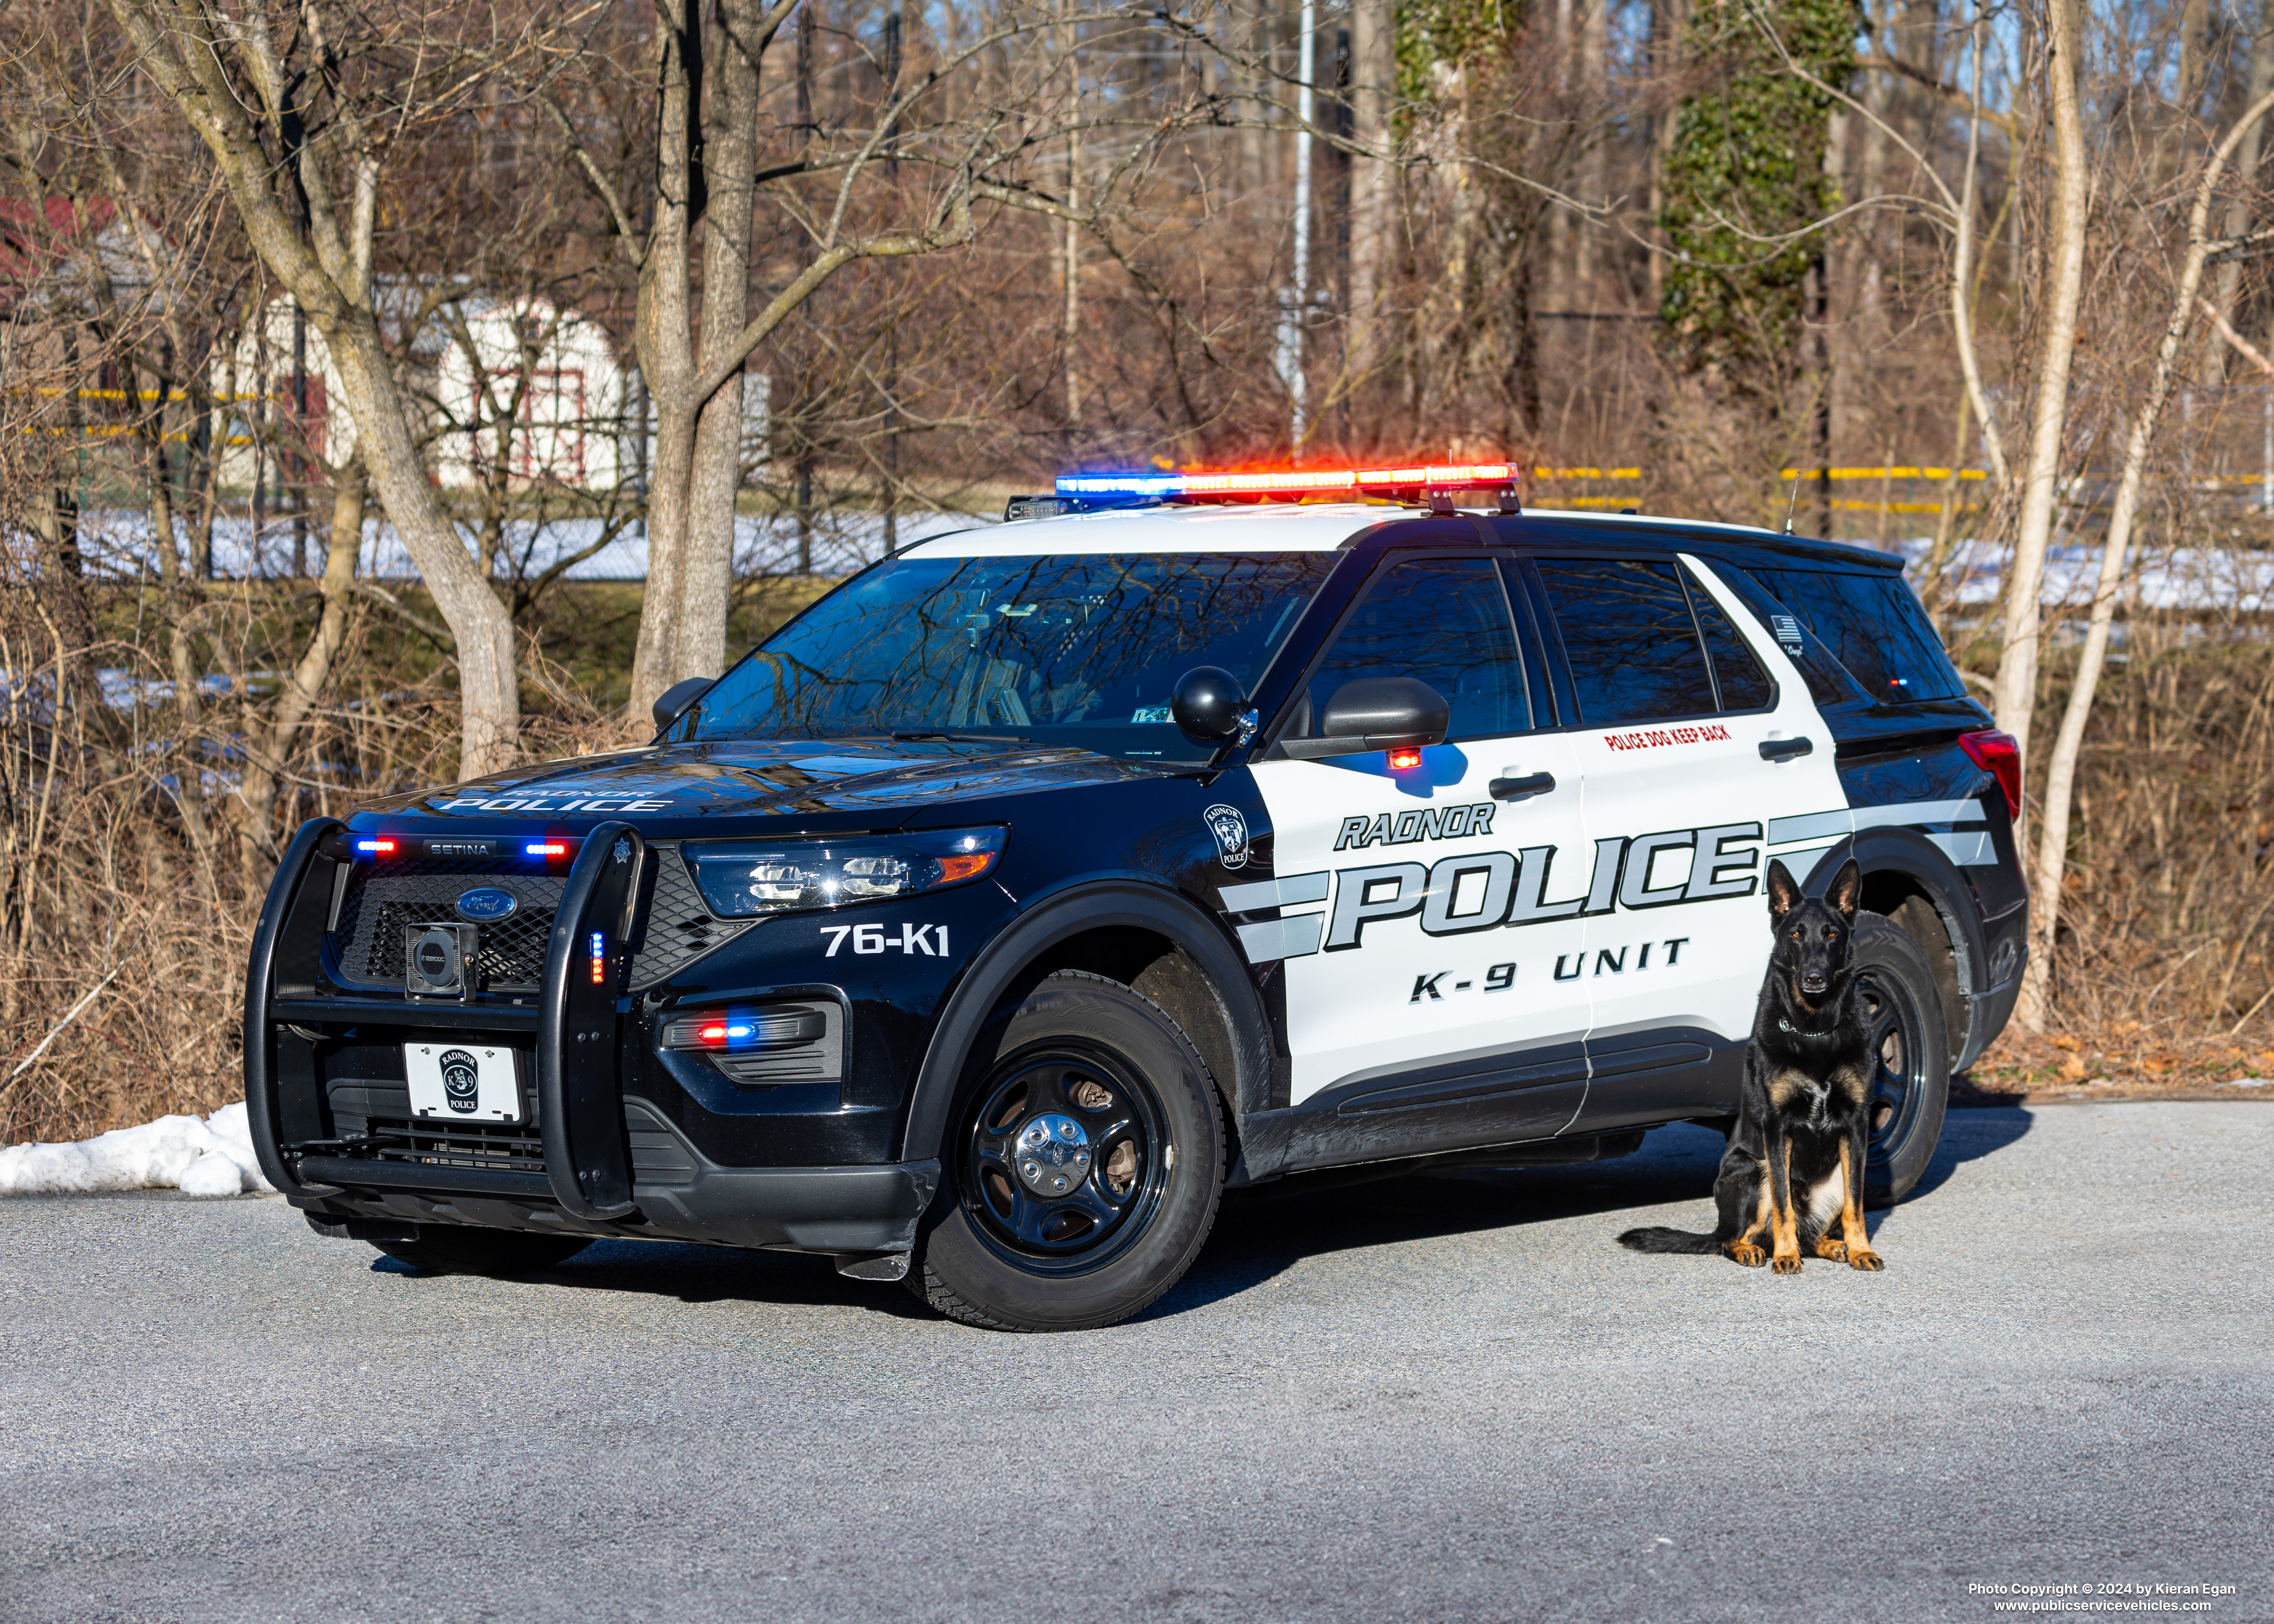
(1824, 826)
(1282, 938)
(1968, 847)
(1283, 892)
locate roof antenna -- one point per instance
(1793, 503)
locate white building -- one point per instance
(530, 388)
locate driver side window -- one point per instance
(1446, 621)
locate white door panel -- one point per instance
(1688, 942)
(1439, 914)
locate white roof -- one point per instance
(1241, 527)
(1274, 527)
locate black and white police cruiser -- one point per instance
(1036, 885)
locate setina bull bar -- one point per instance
(577, 1025)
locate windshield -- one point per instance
(1082, 650)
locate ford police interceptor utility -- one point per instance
(1037, 884)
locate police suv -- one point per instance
(1044, 881)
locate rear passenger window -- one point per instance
(1632, 645)
(1737, 674)
(1446, 621)
(1874, 627)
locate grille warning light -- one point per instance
(377, 848)
(599, 959)
(547, 848)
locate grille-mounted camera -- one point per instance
(435, 957)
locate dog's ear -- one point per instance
(1784, 892)
(1847, 886)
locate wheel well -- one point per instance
(1154, 964)
(1908, 905)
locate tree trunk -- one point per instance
(666, 353)
(2060, 766)
(268, 747)
(2017, 665)
(180, 46)
(730, 157)
(1372, 180)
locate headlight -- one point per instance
(741, 879)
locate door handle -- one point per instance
(1786, 749)
(1523, 788)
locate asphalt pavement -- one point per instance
(1444, 1397)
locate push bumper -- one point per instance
(590, 1183)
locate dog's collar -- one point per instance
(1807, 1031)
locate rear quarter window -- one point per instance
(1874, 627)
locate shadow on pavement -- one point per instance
(1262, 1232)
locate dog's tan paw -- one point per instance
(1785, 1263)
(1747, 1254)
(1865, 1258)
(1837, 1251)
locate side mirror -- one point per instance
(1376, 713)
(1208, 704)
(672, 703)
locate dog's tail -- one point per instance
(1670, 1240)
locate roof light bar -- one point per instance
(1414, 480)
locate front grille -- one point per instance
(674, 928)
(379, 902)
(502, 1147)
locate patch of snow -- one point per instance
(2250, 1082)
(211, 1157)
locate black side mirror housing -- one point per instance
(1208, 704)
(672, 703)
(1376, 713)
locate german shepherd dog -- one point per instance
(1796, 1161)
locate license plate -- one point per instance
(462, 1082)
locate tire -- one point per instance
(1082, 1166)
(450, 1249)
(1912, 1086)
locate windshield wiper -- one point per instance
(902, 737)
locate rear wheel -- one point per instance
(1083, 1165)
(1910, 1077)
(451, 1250)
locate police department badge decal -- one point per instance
(462, 1080)
(1231, 831)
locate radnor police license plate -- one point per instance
(462, 1082)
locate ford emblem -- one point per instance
(485, 903)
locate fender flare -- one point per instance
(1908, 853)
(1082, 907)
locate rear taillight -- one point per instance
(1996, 754)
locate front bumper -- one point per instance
(590, 1161)
(838, 1210)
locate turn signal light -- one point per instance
(1997, 754)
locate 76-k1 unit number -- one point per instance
(873, 939)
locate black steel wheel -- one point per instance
(1910, 1077)
(460, 1249)
(1084, 1165)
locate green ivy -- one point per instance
(1750, 149)
(1456, 31)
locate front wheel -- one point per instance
(1083, 1164)
(1911, 1052)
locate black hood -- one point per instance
(886, 782)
